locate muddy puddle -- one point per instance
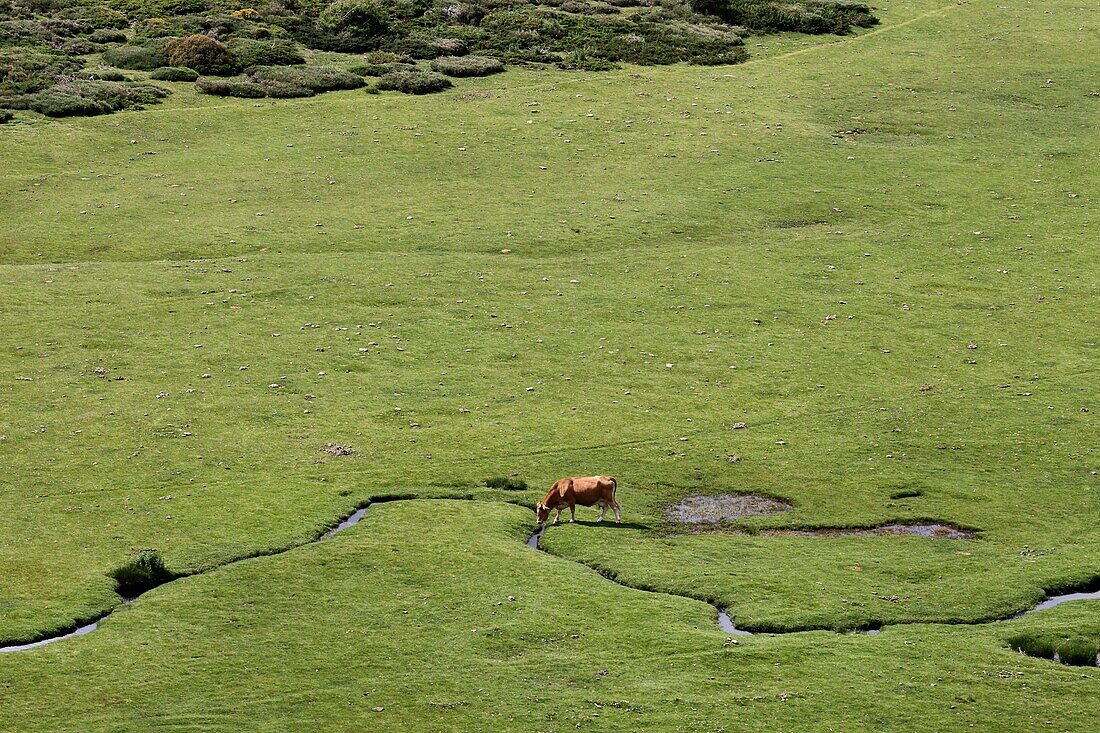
(715, 509)
(935, 531)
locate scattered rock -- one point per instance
(336, 449)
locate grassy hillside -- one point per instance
(875, 251)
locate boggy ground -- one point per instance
(434, 615)
(954, 230)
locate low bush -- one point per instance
(380, 69)
(145, 57)
(271, 52)
(586, 63)
(506, 482)
(461, 66)
(174, 73)
(315, 78)
(353, 25)
(234, 87)
(102, 74)
(5, 116)
(413, 82)
(201, 53)
(25, 71)
(804, 16)
(107, 35)
(281, 82)
(145, 571)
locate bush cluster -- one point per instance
(5, 116)
(84, 97)
(201, 53)
(268, 52)
(413, 82)
(461, 66)
(174, 73)
(144, 57)
(803, 16)
(281, 82)
(380, 69)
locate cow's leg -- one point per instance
(603, 511)
(618, 513)
(558, 517)
(572, 512)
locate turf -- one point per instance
(854, 214)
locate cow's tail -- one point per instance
(614, 486)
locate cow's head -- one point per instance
(542, 513)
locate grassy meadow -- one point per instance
(877, 251)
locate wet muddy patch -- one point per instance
(935, 531)
(715, 509)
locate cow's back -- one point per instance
(589, 490)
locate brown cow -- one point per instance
(583, 490)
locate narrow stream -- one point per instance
(353, 519)
(725, 623)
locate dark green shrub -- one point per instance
(97, 16)
(462, 66)
(24, 71)
(79, 47)
(380, 69)
(354, 25)
(5, 116)
(141, 9)
(506, 482)
(145, 57)
(234, 87)
(107, 35)
(803, 16)
(586, 63)
(88, 97)
(102, 74)
(1078, 651)
(174, 73)
(201, 53)
(272, 52)
(314, 78)
(413, 82)
(145, 571)
(281, 82)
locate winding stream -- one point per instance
(725, 623)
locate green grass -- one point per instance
(960, 213)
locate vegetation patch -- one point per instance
(510, 483)
(174, 73)
(1075, 650)
(413, 82)
(280, 81)
(464, 39)
(145, 571)
(461, 66)
(85, 97)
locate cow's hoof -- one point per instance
(570, 521)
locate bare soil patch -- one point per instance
(715, 509)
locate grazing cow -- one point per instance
(583, 490)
